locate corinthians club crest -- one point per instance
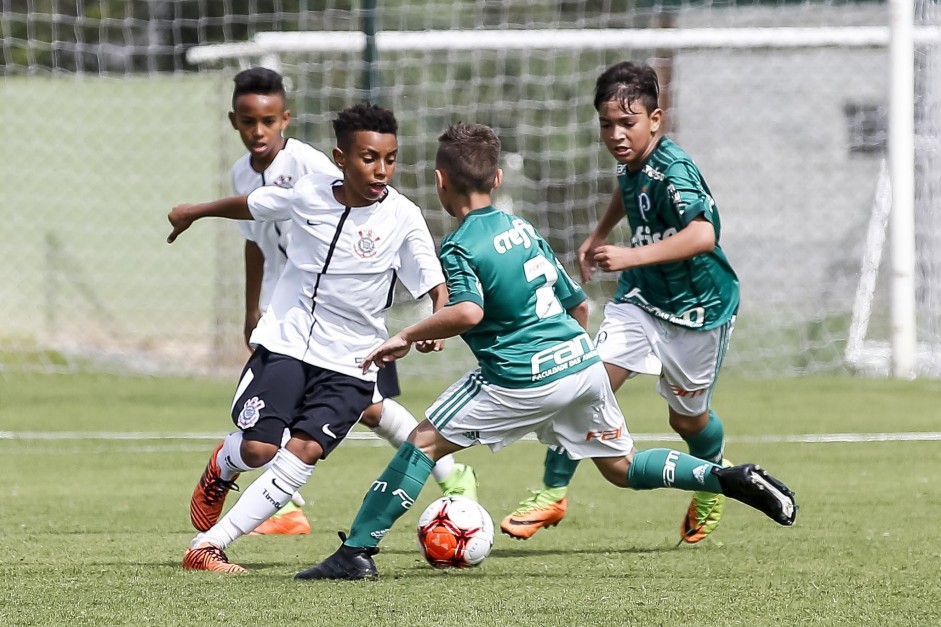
(365, 247)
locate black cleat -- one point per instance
(347, 562)
(750, 484)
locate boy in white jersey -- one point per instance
(260, 115)
(524, 319)
(677, 296)
(351, 239)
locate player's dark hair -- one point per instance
(469, 153)
(363, 117)
(628, 83)
(258, 80)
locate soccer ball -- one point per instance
(455, 532)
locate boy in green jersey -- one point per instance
(524, 319)
(677, 295)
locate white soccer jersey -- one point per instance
(292, 162)
(328, 308)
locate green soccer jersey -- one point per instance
(526, 337)
(666, 195)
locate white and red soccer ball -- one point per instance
(455, 532)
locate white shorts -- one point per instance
(577, 412)
(686, 360)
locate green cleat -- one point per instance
(461, 482)
(703, 515)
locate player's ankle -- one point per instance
(554, 493)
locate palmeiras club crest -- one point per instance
(365, 247)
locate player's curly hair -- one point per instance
(363, 117)
(470, 154)
(628, 83)
(258, 80)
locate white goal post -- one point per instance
(273, 43)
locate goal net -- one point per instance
(783, 107)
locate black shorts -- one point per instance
(387, 381)
(277, 392)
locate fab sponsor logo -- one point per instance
(562, 356)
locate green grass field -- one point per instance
(93, 528)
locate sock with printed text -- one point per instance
(266, 495)
(390, 496)
(666, 468)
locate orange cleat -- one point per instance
(207, 556)
(209, 495)
(532, 515)
(292, 523)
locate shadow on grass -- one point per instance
(421, 569)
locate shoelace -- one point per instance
(216, 488)
(211, 551)
(532, 502)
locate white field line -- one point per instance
(369, 437)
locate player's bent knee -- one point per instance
(256, 454)
(614, 469)
(306, 449)
(687, 426)
(427, 439)
(372, 415)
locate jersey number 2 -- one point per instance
(546, 302)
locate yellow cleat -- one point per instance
(461, 482)
(703, 515)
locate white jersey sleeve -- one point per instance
(296, 160)
(420, 269)
(271, 203)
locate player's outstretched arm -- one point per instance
(448, 322)
(182, 216)
(254, 276)
(695, 238)
(439, 298)
(599, 236)
(580, 313)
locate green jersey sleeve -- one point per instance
(463, 284)
(686, 191)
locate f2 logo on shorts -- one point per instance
(682, 393)
(607, 434)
